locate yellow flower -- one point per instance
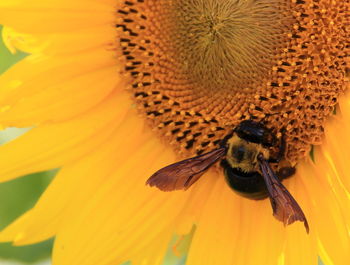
(94, 63)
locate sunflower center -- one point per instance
(205, 54)
(224, 46)
(197, 68)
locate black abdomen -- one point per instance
(251, 184)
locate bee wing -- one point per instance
(285, 208)
(181, 175)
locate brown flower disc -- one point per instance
(196, 68)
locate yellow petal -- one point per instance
(246, 233)
(154, 253)
(64, 101)
(55, 15)
(300, 247)
(336, 146)
(42, 76)
(42, 222)
(52, 146)
(55, 43)
(122, 217)
(193, 209)
(16, 41)
(330, 224)
(260, 237)
(217, 228)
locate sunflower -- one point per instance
(115, 90)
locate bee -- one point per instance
(245, 156)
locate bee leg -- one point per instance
(285, 172)
(281, 151)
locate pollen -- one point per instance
(196, 68)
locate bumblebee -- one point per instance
(245, 156)
(241, 165)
